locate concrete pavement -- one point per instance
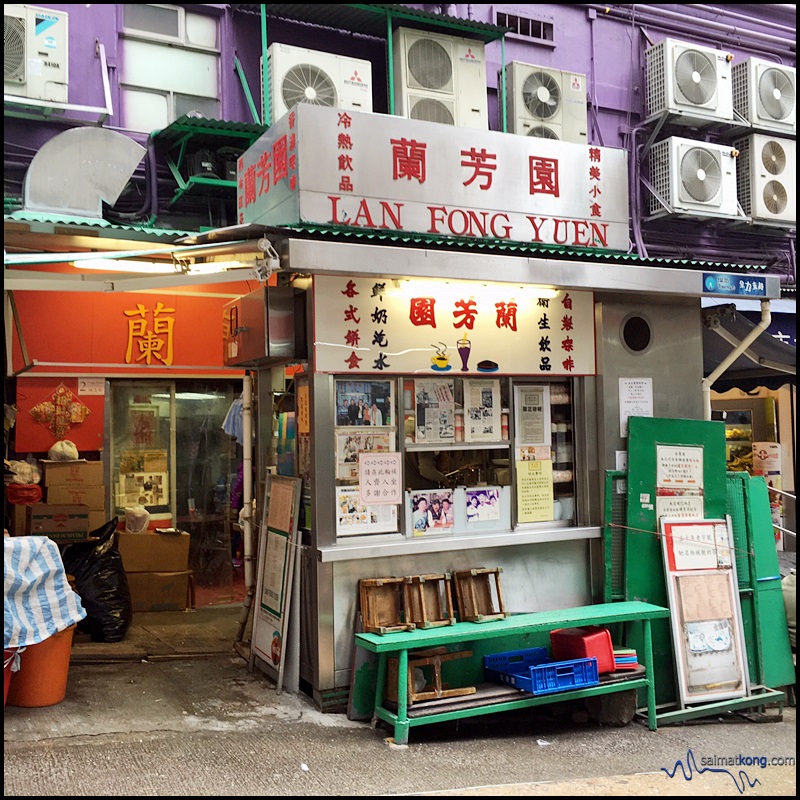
(207, 726)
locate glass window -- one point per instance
(144, 18)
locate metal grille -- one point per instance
(660, 157)
(616, 513)
(743, 173)
(741, 88)
(736, 510)
(655, 64)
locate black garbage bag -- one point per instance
(101, 584)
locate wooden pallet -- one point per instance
(428, 600)
(434, 689)
(478, 595)
(382, 605)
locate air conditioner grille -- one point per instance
(432, 110)
(696, 77)
(543, 132)
(13, 49)
(743, 170)
(773, 157)
(777, 93)
(656, 80)
(659, 174)
(541, 94)
(775, 197)
(305, 83)
(430, 64)
(701, 174)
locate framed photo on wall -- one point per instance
(365, 402)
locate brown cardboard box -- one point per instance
(97, 518)
(158, 591)
(153, 552)
(62, 523)
(19, 520)
(72, 473)
(92, 496)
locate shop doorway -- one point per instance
(172, 451)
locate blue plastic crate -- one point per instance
(497, 666)
(552, 676)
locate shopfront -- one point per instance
(475, 347)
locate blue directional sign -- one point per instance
(734, 285)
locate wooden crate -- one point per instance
(428, 600)
(382, 605)
(479, 595)
(434, 689)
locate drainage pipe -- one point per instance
(247, 499)
(766, 317)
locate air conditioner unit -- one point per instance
(694, 178)
(766, 178)
(299, 75)
(440, 78)
(690, 82)
(544, 102)
(36, 54)
(764, 94)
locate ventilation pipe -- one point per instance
(708, 382)
(247, 497)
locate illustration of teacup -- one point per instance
(441, 359)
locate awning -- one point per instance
(768, 362)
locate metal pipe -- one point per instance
(766, 317)
(735, 15)
(247, 498)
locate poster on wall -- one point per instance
(482, 504)
(143, 489)
(635, 400)
(431, 512)
(354, 517)
(482, 410)
(354, 441)
(380, 478)
(364, 402)
(535, 491)
(435, 411)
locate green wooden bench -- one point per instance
(397, 645)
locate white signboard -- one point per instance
(380, 478)
(432, 328)
(679, 467)
(378, 171)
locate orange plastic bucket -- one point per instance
(8, 660)
(42, 676)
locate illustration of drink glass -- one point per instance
(464, 347)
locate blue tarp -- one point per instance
(38, 600)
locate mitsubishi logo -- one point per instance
(469, 54)
(356, 77)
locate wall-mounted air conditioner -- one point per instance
(36, 53)
(764, 94)
(690, 82)
(544, 102)
(299, 75)
(766, 178)
(693, 178)
(440, 78)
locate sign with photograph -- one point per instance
(364, 402)
(431, 327)
(435, 410)
(432, 512)
(354, 517)
(483, 504)
(353, 441)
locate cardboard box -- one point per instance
(97, 518)
(158, 591)
(72, 473)
(153, 552)
(92, 496)
(19, 520)
(62, 523)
